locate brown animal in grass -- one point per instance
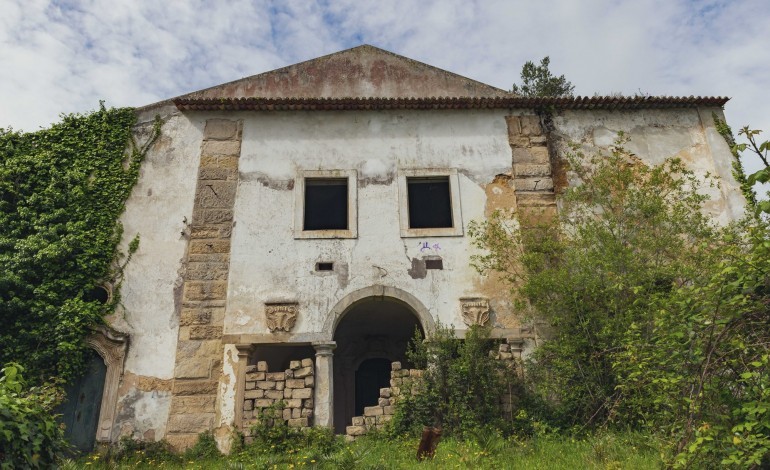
(428, 442)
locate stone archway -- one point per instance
(369, 332)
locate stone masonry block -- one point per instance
(228, 148)
(274, 394)
(257, 393)
(358, 421)
(514, 126)
(530, 125)
(198, 369)
(228, 162)
(209, 246)
(302, 393)
(385, 392)
(298, 423)
(308, 403)
(523, 169)
(248, 405)
(296, 413)
(295, 383)
(389, 410)
(216, 194)
(303, 372)
(205, 332)
(532, 155)
(288, 373)
(542, 183)
(263, 403)
(262, 366)
(192, 404)
(286, 414)
(212, 216)
(355, 430)
(295, 364)
(191, 422)
(195, 387)
(383, 402)
(181, 442)
(307, 363)
(276, 376)
(373, 411)
(255, 376)
(280, 385)
(266, 385)
(395, 366)
(309, 381)
(220, 129)
(293, 403)
(205, 290)
(217, 174)
(287, 392)
(306, 413)
(250, 386)
(190, 316)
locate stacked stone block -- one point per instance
(286, 395)
(532, 175)
(204, 292)
(376, 417)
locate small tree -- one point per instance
(537, 80)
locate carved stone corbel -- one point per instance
(475, 310)
(281, 316)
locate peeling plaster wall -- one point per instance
(268, 264)
(150, 295)
(657, 134)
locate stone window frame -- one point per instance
(454, 194)
(299, 204)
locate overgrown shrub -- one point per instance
(138, 452)
(272, 434)
(461, 385)
(30, 437)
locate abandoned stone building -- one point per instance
(297, 226)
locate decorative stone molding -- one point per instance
(475, 311)
(281, 316)
(111, 345)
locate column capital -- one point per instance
(244, 350)
(324, 348)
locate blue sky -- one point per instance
(64, 56)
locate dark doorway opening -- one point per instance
(372, 334)
(371, 376)
(80, 411)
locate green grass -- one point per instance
(600, 451)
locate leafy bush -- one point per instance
(659, 318)
(30, 437)
(136, 452)
(272, 434)
(461, 385)
(205, 447)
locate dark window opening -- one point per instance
(434, 263)
(430, 202)
(326, 204)
(324, 266)
(371, 376)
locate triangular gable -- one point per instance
(361, 72)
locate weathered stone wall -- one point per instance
(286, 395)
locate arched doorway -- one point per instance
(80, 410)
(371, 334)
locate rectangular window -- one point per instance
(325, 204)
(429, 203)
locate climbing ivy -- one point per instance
(62, 191)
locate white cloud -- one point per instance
(65, 56)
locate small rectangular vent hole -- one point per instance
(324, 266)
(434, 263)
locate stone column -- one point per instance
(324, 384)
(244, 352)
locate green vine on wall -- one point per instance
(62, 191)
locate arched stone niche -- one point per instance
(112, 346)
